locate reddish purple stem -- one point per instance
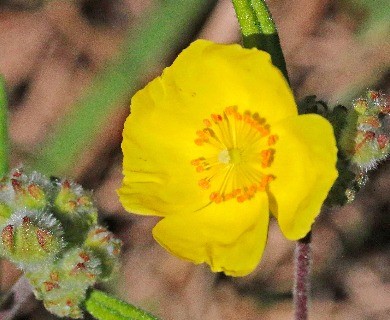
(302, 277)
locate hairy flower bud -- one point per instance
(63, 287)
(105, 246)
(31, 238)
(28, 191)
(74, 207)
(366, 137)
(48, 228)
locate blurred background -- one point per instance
(71, 68)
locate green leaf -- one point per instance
(259, 31)
(105, 307)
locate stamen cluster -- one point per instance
(243, 146)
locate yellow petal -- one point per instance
(157, 150)
(213, 76)
(229, 236)
(305, 169)
(158, 138)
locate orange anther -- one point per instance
(272, 139)
(242, 198)
(195, 162)
(229, 111)
(248, 119)
(200, 133)
(270, 178)
(266, 157)
(204, 184)
(199, 142)
(252, 190)
(250, 193)
(216, 117)
(263, 131)
(228, 196)
(238, 116)
(236, 192)
(207, 123)
(265, 180)
(218, 199)
(213, 196)
(199, 169)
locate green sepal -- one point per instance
(5, 213)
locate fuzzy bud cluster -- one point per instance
(366, 137)
(48, 228)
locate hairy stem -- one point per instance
(3, 129)
(16, 299)
(302, 277)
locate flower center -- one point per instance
(235, 156)
(241, 150)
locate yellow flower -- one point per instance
(213, 146)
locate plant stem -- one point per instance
(302, 277)
(20, 293)
(3, 129)
(259, 31)
(105, 307)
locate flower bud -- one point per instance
(366, 138)
(49, 229)
(105, 246)
(74, 208)
(31, 238)
(63, 287)
(27, 191)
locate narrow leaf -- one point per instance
(259, 30)
(105, 307)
